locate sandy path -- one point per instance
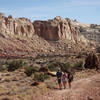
(83, 89)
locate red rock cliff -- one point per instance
(56, 29)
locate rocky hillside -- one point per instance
(22, 38)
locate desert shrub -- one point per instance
(13, 65)
(31, 69)
(40, 77)
(54, 66)
(67, 56)
(2, 68)
(43, 69)
(66, 67)
(78, 65)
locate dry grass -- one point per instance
(85, 73)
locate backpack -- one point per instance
(59, 74)
(70, 77)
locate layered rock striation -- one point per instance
(90, 31)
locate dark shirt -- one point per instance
(59, 74)
(70, 77)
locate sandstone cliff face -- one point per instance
(56, 29)
(20, 37)
(53, 30)
(21, 26)
(90, 31)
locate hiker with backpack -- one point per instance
(70, 79)
(59, 78)
(64, 79)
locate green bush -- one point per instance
(66, 67)
(78, 65)
(67, 56)
(54, 66)
(30, 70)
(13, 65)
(40, 77)
(2, 68)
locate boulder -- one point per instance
(92, 61)
(35, 83)
(43, 69)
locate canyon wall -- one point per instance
(53, 30)
(58, 28)
(20, 26)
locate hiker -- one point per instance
(59, 78)
(64, 79)
(70, 79)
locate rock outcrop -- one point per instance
(92, 61)
(56, 29)
(90, 31)
(20, 26)
(53, 30)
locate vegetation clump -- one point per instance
(67, 67)
(78, 65)
(13, 65)
(64, 66)
(53, 66)
(2, 68)
(40, 77)
(30, 70)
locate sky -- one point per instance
(84, 11)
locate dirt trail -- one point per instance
(16, 86)
(83, 89)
